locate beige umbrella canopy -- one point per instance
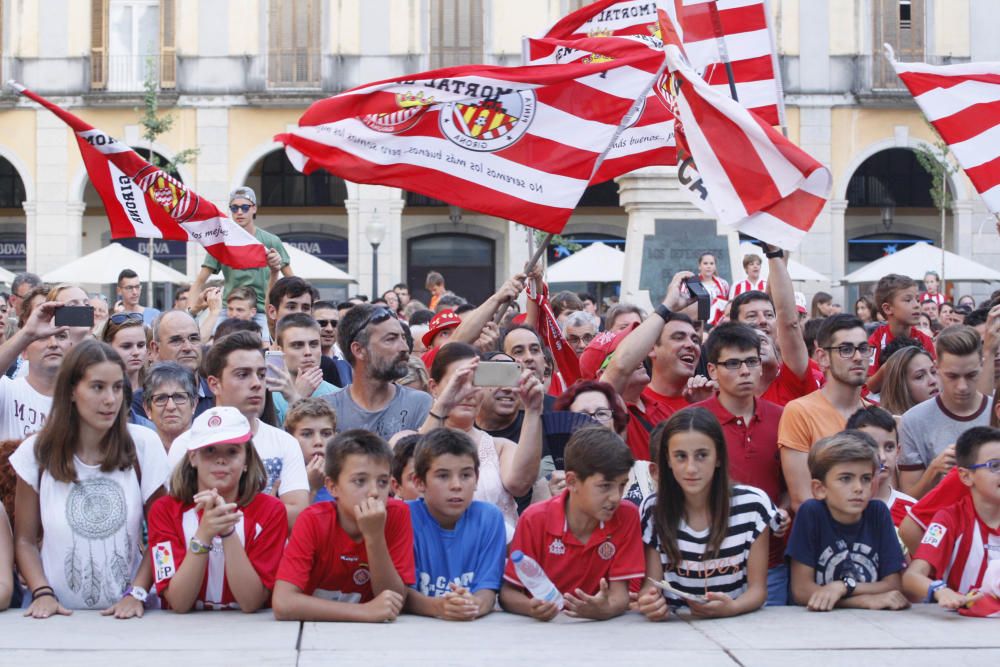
(102, 267)
(308, 267)
(920, 258)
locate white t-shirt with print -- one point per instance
(280, 452)
(22, 409)
(93, 527)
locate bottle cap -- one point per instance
(517, 556)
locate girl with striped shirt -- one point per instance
(704, 537)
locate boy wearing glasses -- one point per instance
(842, 351)
(963, 538)
(929, 430)
(243, 208)
(750, 426)
(896, 299)
(129, 291)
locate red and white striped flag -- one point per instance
(759, 182)
(143, 201)
(962, 102)
(514, 142)
(717, 31)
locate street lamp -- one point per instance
(375, 231)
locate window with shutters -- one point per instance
(900, 24)
(131, 40)
(293, 59)
(456, 29)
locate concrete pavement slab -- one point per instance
(148, 658)
(856, 657)
(526, 654)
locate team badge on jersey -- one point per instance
(934, 535)
(606, 551)
(557, 548)
(163, 561)
(362, 576)
(490, 124)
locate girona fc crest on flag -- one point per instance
(166, 191)
(489, 124)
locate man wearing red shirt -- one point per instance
(750, 425)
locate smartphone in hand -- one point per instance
(74, 316)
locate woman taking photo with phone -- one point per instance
(216, 539)
(506, 469)
(85, 482)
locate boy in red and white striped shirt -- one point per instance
(753, 281)
(963, 538)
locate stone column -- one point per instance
(384, 204)
(54, 225)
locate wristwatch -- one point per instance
(775, 255)
(935, 586)
(196, 546)
(138, 592)
(664, 313)
(850, 583)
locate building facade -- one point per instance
(233, 73)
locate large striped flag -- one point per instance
(144, 201)
(521, 143)
(962, 102)
(713, 32)
(759, 182)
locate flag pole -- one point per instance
(776, 66)
(720, 41)
(498, 318)
(149, 287)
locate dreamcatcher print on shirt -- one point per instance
(97, 565)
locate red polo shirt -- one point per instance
(753, 454)
(660, 407)
(637, 432)
(883, 336)
(613, 552)
(787, 386)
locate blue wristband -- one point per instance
(934, 588)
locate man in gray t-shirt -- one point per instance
(372, 341)
(929, 430)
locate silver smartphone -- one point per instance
(274, 359)
(496, 374)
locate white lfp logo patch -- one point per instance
(489, 124)
(935, 533)
(163, 561)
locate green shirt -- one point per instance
(255, 278)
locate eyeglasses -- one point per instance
(847, 350)
(122, 318)
(576, 340)
(993, 465)
(377, 316)
(735, 364)
(240, 207)
(180, 399)
(327, 323)
(601, 415)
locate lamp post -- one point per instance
(375, 231)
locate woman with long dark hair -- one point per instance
(707, 538)
(85, 481)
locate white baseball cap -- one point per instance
(218, 426)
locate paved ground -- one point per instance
(772, 637)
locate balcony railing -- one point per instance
(127, 74)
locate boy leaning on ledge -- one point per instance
(964, 537)
(843, 548)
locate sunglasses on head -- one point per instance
(122, 318)
(240, 207)
(377, 316)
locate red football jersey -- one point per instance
(958, 546)
(322, 559)
(262, 531)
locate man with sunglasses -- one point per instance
(374, 344)
(243, 208)
(130, 293)
(843, 352)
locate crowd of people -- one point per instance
(257, 447)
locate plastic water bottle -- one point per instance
(534, 579)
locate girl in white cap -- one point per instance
(216, 540)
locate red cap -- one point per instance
(446, 319)
(801, 309)
(599, 349)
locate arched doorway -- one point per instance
(13, 253)
(466, 261)
(889, 208)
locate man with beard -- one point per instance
(373, 343)
(842, 350)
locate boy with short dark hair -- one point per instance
(297, 336)
(403, 482)
(843, 548)
(586, 539)
(356, 549)
(459, 543)
(963, 538)
(313, 422)
(896, 299)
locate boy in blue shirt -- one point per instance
(843, 548)
(459, 543)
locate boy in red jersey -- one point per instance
(356, 549)
(964, 537)
(896, 299)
